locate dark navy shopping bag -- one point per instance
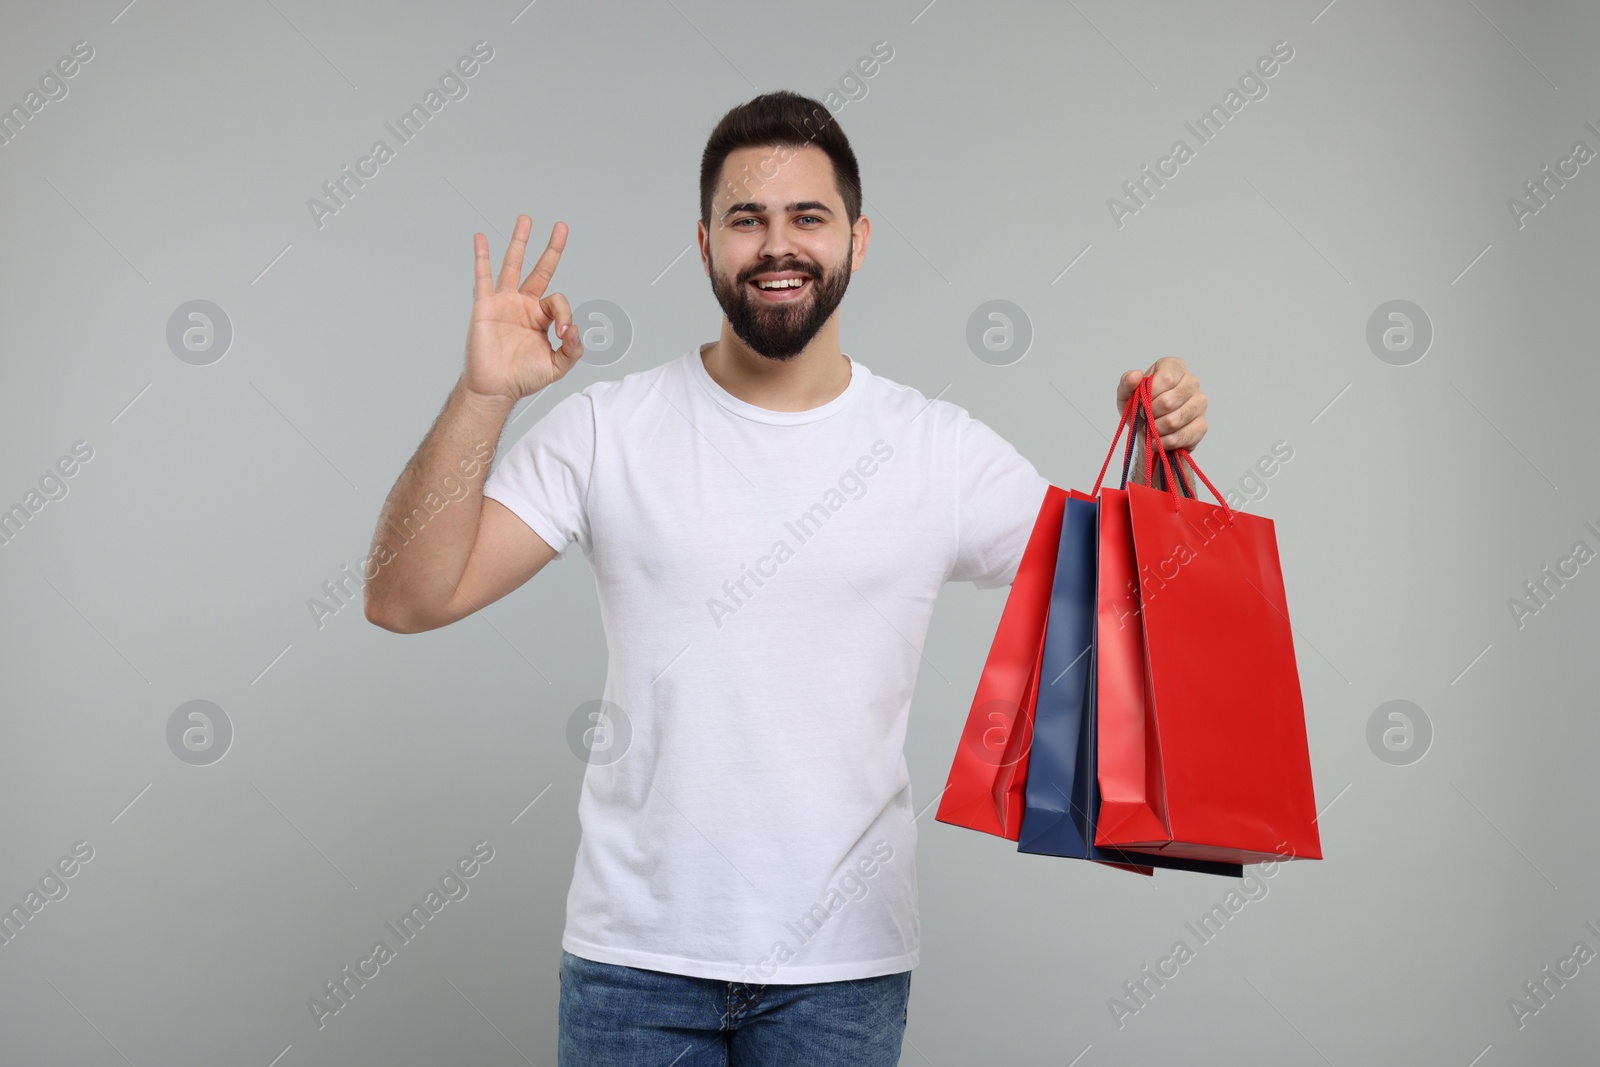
(1063, 791)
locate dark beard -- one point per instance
(780, 331)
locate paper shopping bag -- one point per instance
(985, 786)
(1202, 742)
(1062, 796)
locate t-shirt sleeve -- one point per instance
(544, 478)
(998, 496)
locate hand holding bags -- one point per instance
(1061, 791)
(1141, 706)
(1202, 742)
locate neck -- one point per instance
(808, 380)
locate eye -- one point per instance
(811, 217)
(747, 218)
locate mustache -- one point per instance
(799, 268)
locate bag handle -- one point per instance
(1177, 454)
(1128, 409)
(1133, 409)
(1151, 436)
(1138, 423)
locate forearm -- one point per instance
(428, 523)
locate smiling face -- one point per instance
(780, 250)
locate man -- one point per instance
(769, 523)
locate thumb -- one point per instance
(1126, 385)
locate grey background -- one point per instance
(362, 764)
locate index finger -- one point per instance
(545, 268)
(511, 266)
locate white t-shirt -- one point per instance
(765, 580)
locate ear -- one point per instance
(860, 233)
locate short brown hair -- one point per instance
(787, 120)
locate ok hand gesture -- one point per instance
(509, 354)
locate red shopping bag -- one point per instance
(990, 771)
(1202, 741)
(1130, 802)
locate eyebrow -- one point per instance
(798, 205)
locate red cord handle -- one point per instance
(1130, 419)
(1141, 399)
(1127, 413)
(1143, 393)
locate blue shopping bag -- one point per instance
(1063, 791)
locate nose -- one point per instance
(778, 243)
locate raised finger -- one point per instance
(539, 278)
(481, 285)
(511, 266)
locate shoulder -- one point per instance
(631, 390)
(910, 406)
(602, 401)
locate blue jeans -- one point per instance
(613, 1016)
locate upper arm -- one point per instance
(534, 505)
(505, 554)
(998, 496)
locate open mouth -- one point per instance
(784, 289)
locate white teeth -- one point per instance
(786, 283)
